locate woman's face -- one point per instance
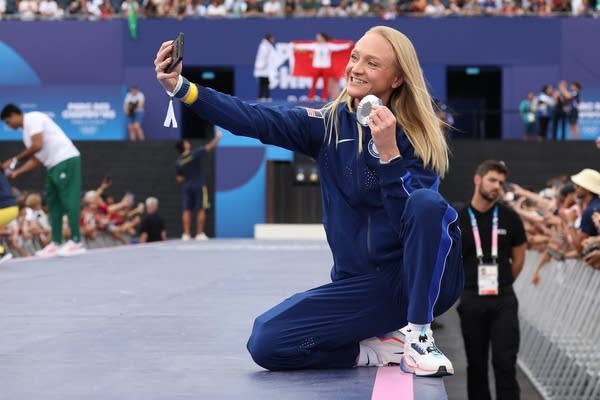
(371, 69)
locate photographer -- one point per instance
(134, 110)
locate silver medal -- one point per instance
(365, 107)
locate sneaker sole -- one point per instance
(72, 254)
(6, 258)
(441, 371)
(44, 255)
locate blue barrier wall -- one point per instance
(531, 52)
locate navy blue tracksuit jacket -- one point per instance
(395, 241)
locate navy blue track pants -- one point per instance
(322, 327)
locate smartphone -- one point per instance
(177, 54)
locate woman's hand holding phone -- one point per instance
(164, 59)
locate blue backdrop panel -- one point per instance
(83, 112)
(240, 190)
(17, 70)
(69, 52)
(240, 183)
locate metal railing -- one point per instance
(560, 329)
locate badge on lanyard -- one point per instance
(487, 279)
(487, 274)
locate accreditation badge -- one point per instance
(487, 279)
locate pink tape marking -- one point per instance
(392, 384)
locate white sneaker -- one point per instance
(422, 357)
(50, 250)
(71, 249)
(5, 257)
(379, 351)
(201, 236)
(185, 236)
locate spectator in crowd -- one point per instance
(89, 214)
(561, 221)
(490, 7)
(238, 8)
(343, 8)
(327, 10)
(216, 9)
(272, 8)
(435, 9)
(126, 5)
(180, 9)
(577, 7)
(493, 247)
(12, 233)
(37, 219)
(28, 9)
(152, 227)
(359, 8)
(107, 10)
(527, 112)
(471, 8)
(264, 65)
(587, 190)
(560, 243)
(8, 212)
(289, 8)
(254, 8)
(116, 219)
(379, 283)
(591, 245)
(307, 8)
(509, 8)
(134, 110)
(454, 8)
(151, 8)
(189, 169)
(390, 12)
(573, 115)
(418, 6)
(49, 9)
(78, 9)
(47, 144)
(544, 108)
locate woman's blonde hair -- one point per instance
(410, 103)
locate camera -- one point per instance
(131, 107)
(591, 248)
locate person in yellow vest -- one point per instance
(8, 212)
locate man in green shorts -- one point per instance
(47, 144)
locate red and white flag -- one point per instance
(302, 60)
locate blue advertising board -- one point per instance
(83, 112)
